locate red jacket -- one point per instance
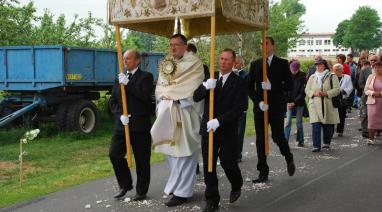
(346, 69)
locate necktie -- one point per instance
(220, 83)
(129, 75)
(269, 61)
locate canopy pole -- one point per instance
(265, 93)
(123, 94)
(211, 109)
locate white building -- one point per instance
(311, 44)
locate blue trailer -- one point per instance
(58, 83)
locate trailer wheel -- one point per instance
(82, 116)
(61, 115)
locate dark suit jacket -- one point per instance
(281, 80)
(229, 105)
(138, 95)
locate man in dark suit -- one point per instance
(279, 81)
(229, 97)
(138, 88)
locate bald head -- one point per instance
(131, 59)
(239, 63)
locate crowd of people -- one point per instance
(183, 124)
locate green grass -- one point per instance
(55, 160)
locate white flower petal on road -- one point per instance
(108, 206)
(247, 179)
(88, 206)
(127, 199)
(99, 201)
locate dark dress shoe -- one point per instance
(139, 197)
(234, 196)
(175, 201)
(261, 179)
(291, 168)
(210, 207)
(122, 192)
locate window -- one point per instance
(310, 42)
(301, 43)
(302, 50)
(318, 42)
(327, 42)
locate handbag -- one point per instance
(336, 100)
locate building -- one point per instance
(311, 44)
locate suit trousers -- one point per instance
(240, 135)
(224, 149)
(276, 121)
(141, 145)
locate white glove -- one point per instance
(263, 107)
(266, 85)
(125, 119)
(184, 103)
(210, 84)
(123, 79)
(212, 125)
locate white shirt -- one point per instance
(225, 77)
(132, 72)
(269, 60)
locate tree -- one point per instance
(338, 37)
(362, 31)
(16, 22)
(285, 24)
(80, 32)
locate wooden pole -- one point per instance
(21, 163)
(123, 93)
(265, 93)
(211, 109)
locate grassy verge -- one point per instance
(54, 161)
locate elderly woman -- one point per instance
(373, 90)
(346, 87)
(322, 113)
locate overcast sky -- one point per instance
(320, 16)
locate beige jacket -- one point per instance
(321, 108)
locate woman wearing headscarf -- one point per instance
(322, 86)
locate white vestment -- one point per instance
(175, 132)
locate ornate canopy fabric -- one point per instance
(157, 16)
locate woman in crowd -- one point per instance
(322, 113)
(373, 90)
(346, 87)
(295, 102)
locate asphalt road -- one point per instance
(347, 177)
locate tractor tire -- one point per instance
(82, 116)
(61, 115)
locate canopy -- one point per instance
(157, 16)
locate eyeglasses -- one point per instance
(373, 60)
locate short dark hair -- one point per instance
(350, 55)
(232, 52)
(192, 47)
(181, 37)
(342, 57)
(270, 39)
